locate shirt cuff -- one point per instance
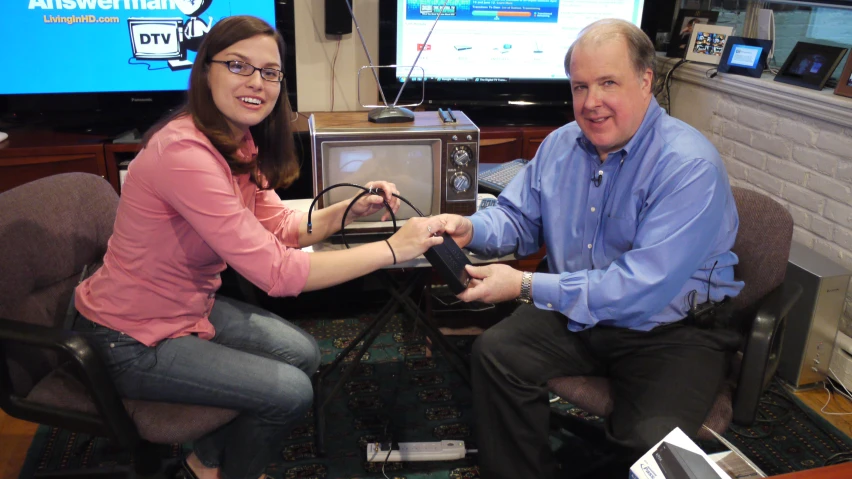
(546, 291)
(293, 275)
(294, 222)
(479, 234)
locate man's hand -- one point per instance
(458, 227)
(369, 204)
(493, 283)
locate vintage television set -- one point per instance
(112, 66)
(433, 163)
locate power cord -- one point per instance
(333, 63)
(390, 411)
(667, 83)
(838, 458)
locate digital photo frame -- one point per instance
(844, 84)
(745, 56)
(810, 65)
(683, 28)
(707, 43)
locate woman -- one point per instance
(200, 195)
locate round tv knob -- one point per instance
(461, 182)
(461, 156)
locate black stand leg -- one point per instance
(450, 352)
(373, 330)
(400, 298)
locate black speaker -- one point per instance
(338, 21)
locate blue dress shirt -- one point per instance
(630, 252)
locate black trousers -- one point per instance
(661, 379)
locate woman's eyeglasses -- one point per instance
(246, 70)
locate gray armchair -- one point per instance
(763, 248)
(50, 229)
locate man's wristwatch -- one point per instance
(526, 289)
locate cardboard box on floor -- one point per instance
(678, 457)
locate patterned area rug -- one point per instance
(401, 393)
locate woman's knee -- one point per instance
(312, 356)
(291, 344)
(290, 399)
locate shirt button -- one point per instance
(549, 305)
(112, 345)
(589, 246)
(593, 209)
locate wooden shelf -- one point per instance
(33, 153)
(30, 154)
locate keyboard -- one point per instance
(495, 179)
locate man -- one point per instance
(638, 218)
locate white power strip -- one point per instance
(417, 451)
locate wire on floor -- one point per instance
(838, 458)
(488, 306)
(828, 400)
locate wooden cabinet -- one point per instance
(532, 138)
(500, 144)
(32, 154)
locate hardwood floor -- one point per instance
(816, 398)
(16, 435)
(15, 439)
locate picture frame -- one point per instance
(707, 43)
(683, 27)
(810, 65)
(745, 56)
(844, 83)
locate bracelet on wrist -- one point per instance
(392, 251)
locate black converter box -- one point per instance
(679, 463)
(449, 260)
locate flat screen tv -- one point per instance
(496, 55)
(119, 63)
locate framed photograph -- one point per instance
(810, 65)
(745, 56)
(683, 28)
(844, 84)
(707, 43)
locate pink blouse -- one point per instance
(182, 216)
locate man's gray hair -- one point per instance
(639, 46)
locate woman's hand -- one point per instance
(415, 237)
(369, 204)
(458, 227)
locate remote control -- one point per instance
(417, 451)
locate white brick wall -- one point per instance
(798, 158)
(803, 163)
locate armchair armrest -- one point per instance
(91, 370)
(763, 350)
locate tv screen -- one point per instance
(497, 40)
(97, 46)
(410, 164)
(500, 61)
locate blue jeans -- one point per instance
(257, 363)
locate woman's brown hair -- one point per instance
(276, 160)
